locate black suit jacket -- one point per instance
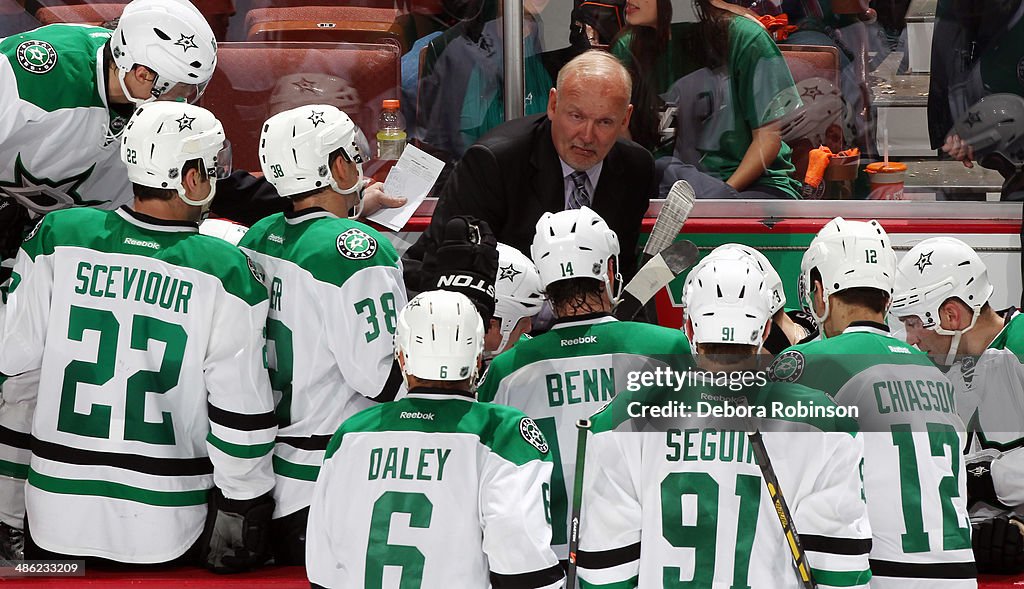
(512, 175)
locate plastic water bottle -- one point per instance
(390, 131)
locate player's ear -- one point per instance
(767, 330)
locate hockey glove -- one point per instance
(980, 486)
(465, 261)
(236, 536)
(12, 543)
(999, 544)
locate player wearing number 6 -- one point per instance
(152, 388)
(436, 489)
(335, 287)
(914, 478)
(682, 500)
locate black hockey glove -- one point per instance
(999, 545)
(979, 484)
(236, 536)
(12, 543)
(14, 222)
(466, 261)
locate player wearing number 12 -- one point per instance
(914, 477)
(434, 490)
(335, 286)
(682, 502)
(152, 386)
(577, 367)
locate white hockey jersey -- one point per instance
(433, 490)
(996, 417)
(678, 500)
(335, 288)
(568, 374)
(152, 385)
(914, 476)
(56, 132)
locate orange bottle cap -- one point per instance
(392, 103)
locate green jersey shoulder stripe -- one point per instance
(117, 232)
(58, 66)
(330, 248)
(1011, 337)
(500, 428)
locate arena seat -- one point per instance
(255, 80)
(352, 24)
(217, 12)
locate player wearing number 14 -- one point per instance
(152, 384)
(335, 286)
(914, 476)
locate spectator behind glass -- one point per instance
(462, 93)
(747, 86)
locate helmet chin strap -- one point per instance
(358, 187)
(200, 203)
(613, 297)
(128, 95)
(954, 345)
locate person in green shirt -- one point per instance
(739, 76)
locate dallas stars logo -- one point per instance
(37, 57)
(924, 261)
(973, 118)
(509, 273)
(356, 245)
(185, 122)
(42, 195)
(812, 92)
(187, 42)
(317, 117)
(307, 86)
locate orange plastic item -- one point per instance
(778, 26)
(886, 180)
(817, 162)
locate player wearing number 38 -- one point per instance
(152, 397)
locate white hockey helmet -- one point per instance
(735, 251)
(517, 290)
(847, 254)
(821, 107)
(295, 146)
(575, 243)
(161, 137)
(934, 271)
(229, 231)
(994, 126)
(441, 336)
(727, 302)
(172, 39)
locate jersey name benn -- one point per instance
(580, 386)
(405, 464)
(98, 280)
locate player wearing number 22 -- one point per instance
(577, 367)
(435, 489)
(682, 502)
(914, 476)
(335, 287)
(152, 387)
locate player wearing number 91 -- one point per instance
(681, 501)
(335, 287)
(152, 388)
(914, 477)
(436, 489)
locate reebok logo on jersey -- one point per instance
(586, 339)
(275, 238)
(899, 350)
(416, 415)
(37, 57)
(140, 243)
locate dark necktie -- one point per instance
(580, 196)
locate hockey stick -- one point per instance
(674, 212)
(771, 480)
(660, 270)
(583, 426)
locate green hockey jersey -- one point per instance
(914, 477)
(57, 145)
(433, 490)
(152, 387)
(335, 287)
(678, 499)
(568, 374)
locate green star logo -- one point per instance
(356, 245)
(788, 367)
(42, 195)
(37, 57)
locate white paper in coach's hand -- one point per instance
(412, 177)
